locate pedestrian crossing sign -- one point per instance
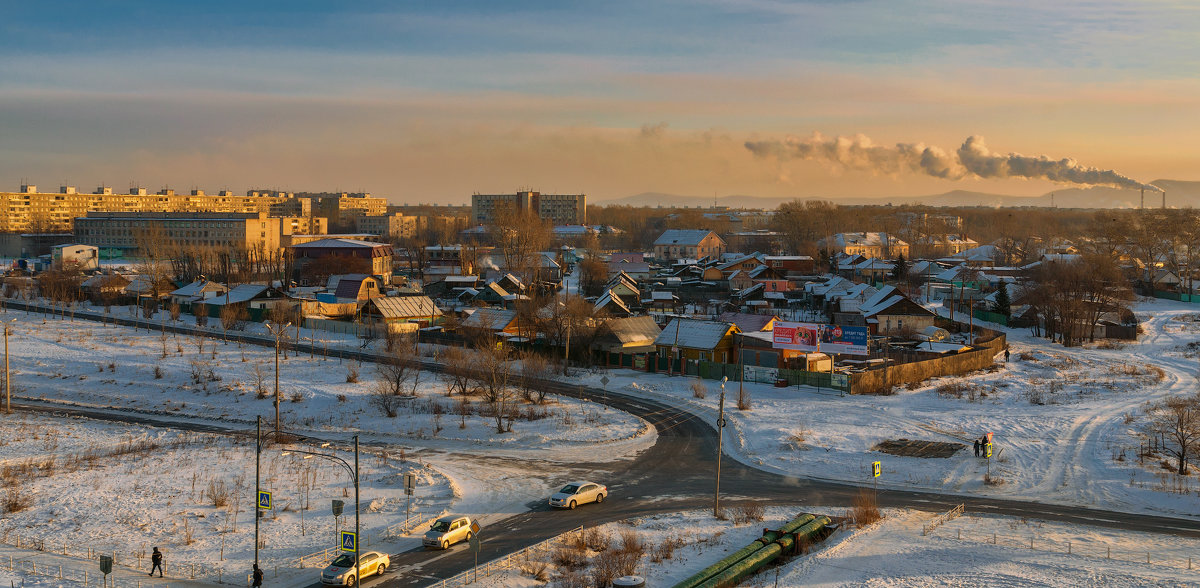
(349, 541)
(264, 500)
(876, 468)
(987, 450)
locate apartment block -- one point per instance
(560, 209)
(396, 226)
(132, 231)
(31, 211)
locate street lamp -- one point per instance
(353, 472)
(278, 331)
(7, 378)
(720, 435)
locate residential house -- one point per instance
(619, 340)
(697, 340)
(676, 244)
(889, 312)
(748, 323)
(198, 290)
(491, 320)
(401, 313)
(357, 287)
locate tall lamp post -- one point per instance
(279, 331)
(7, 373)
(720, 434)
(353, 472)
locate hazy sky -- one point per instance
(430, 101)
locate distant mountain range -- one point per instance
(1179, 194)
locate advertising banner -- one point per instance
(824, 338)
(839, 339)
(795, 336)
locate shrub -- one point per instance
(15, 500)
(865, 509)
(699, 390)
(297, 396)
(352, 374)
(385, 402)
(743, 399)
(747, 513)
(218, 493)
(568, 558)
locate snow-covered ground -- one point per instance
(1065, 421)
(894, 552)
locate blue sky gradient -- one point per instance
(400, 98)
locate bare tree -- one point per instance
(534, 369)
(521, 235)
(399, 372)
(458, 364)
(493, 372)
(1177, 420)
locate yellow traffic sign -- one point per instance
(876, 468)
(264, 500)
(988, 450)
(349, 541)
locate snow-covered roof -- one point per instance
(981, 253)
(197, 288)
(338, 243)
(885, 297)
(635, 330)
(490, 318)
(746, 322)
(607, 299)
(405, 306)
(682, 237)
(240, 293)
(694, 334)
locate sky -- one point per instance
(433, 101)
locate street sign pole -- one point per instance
(410, 483)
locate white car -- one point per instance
(577, 493)
(341, 571)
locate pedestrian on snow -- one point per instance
(977, 448)
(156, 559)
(258, 576)
(1005, 355)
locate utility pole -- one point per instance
(567, 350)
(720, 436)
(7, 373)
(278, 331)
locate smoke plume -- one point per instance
(972, 159)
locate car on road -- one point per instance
(341, 571)
(577, 493)
(447, 531)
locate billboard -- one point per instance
(839, 339)
(824, 338)
(795, 336)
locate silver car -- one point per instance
(577, 493)
(447, 531)
(341, 571)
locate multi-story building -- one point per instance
(881, 245)
(342, 207)
(130, 232)
(560, 209)
(395, 226)
(44, 212)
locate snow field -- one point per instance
(1067, 421)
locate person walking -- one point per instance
(1006, 355)
(976, 447)
(258, 576)
(156, 559)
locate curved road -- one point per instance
(675, 474)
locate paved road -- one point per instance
(675, 474)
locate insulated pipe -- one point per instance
(737, 556)
(734, 574)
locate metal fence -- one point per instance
(507, 562)
(1082, 549)
(942, 518)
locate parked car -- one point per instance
(577, 493)
(341, 571)
(447, 531)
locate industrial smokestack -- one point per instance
(1164, 199)
(1142, 204)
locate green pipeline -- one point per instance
(769, 537)
(736, 573)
